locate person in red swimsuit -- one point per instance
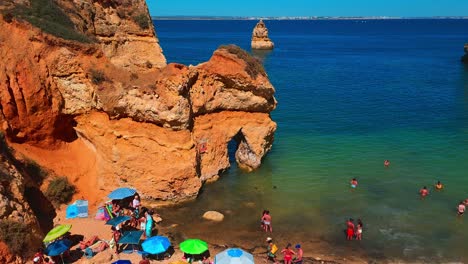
(424, 192)
(350, 229)
(288, 254)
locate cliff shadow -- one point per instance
(232, 147)
(42, 208)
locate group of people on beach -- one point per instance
(289, 256)
(352, 230)
(141, 218)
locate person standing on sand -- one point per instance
(386, 163)
(262, 224)
(350, 229)
(461, 208)
(267, 221)
(116, 234)
(299, 254)
(424, 192)
(288, 254)
(271, 250)
(359, 230)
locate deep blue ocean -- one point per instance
(350, 95)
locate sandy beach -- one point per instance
(88, 227)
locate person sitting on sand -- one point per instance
(299, 254)
(386, 163)
(354, 183)
(288, 254)
(461, 208)
(350, 229)
(424, 192)
(359, 230)
(439, 186)
(271, 250)
(267, 221)
(116, 208)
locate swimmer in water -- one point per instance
(354, 183)
(386, 163)
(424, 191)
(461, 208)
(439, 186)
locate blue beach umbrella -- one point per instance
(234, 256)
(121, 193)
(156, 244)
(58, 247)
(118, 220)
(122, 261)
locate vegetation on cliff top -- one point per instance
(14, 234)
(47, 15)
(254, 67)
(60, 191)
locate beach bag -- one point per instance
(274, 249)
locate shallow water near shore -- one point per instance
(350, 95)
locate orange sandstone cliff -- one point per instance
(86, 93)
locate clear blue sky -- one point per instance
(404, 8)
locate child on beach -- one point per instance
(271, 250)
(350, 229)
(439, 186)
(288, 254)
(461, 208)
(298, 259)
(359, 230)
(354, 183)
(424, 192)
(267, 222)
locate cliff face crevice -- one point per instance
(113, 101)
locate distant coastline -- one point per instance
(299, 18)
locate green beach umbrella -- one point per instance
(193, 246)
(57, 232)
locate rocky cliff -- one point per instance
(464, 58)
(260, 39)
(88, 94)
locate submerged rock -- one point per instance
(213, 216)
(260, 39)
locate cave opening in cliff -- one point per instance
(41, 206)
(233, 146)
(64, 128)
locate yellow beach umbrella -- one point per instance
(178, 262)
(57, 232)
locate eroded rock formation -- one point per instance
(260, 39)
(464, 58)
(162, 129)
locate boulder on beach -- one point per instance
(260, 39)
(213, 216)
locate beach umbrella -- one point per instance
(118, 220)
(122, 261)
(234, 256)
(58, 247)
(193, 246)
(156, 244)
(121, 193)
(57, 232)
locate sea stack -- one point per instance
(464, 58)
(260, 39)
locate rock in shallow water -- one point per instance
(213, 216)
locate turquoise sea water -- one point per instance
(350, 95)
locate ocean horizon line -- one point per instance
(301, 18)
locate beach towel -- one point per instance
(102, 214)
(77, 209)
